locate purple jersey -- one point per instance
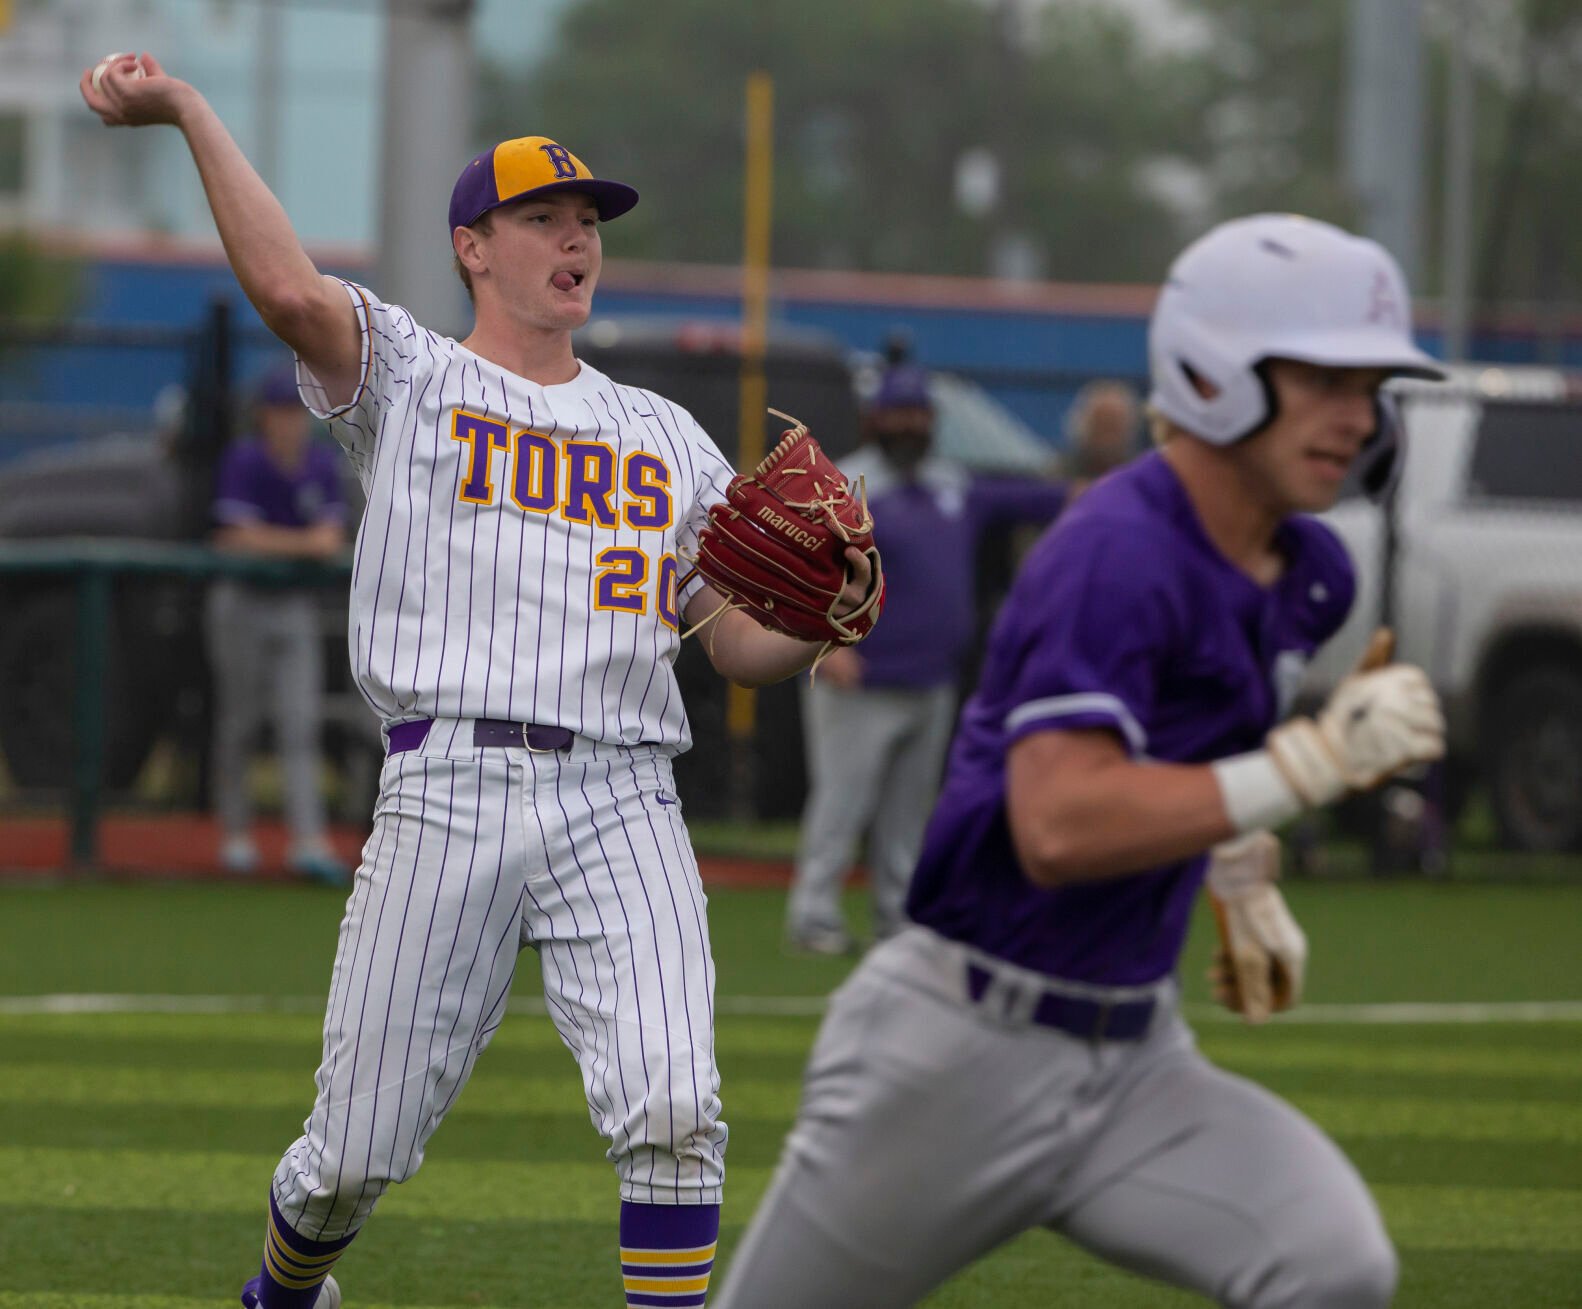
(252, 488)
(927, 530)
(1125, 617)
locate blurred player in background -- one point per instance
(1103, 431)
(278, 496)
(1016, 1057)
(877, 720)
(515, 619)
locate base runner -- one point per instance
(1016, 1058)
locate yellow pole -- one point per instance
(741, 703)
(755, 265)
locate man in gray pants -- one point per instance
(877, 722)
(278, 496)
(1016, 1057)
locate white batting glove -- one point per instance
(1375, 724)
(1261, 961)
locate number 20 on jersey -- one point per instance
(582, 482)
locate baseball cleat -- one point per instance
(329, 1294)
(239, 855)
(322, 868)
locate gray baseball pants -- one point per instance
(874, 757)
(266, 652)
(933, 1128)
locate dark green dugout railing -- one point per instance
(91, 567)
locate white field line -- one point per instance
(1510, 1011)
(799, 1006)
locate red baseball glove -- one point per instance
(776, 545)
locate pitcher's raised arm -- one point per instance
(309, 312)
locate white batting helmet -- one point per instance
(1273, 286)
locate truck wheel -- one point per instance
(1534, 760)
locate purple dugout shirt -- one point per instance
(252, 488)
(1124, 616)
(927, 530)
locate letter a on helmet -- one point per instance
(1273, 286)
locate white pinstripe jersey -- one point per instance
(519, 553)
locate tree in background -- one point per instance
(877, 104)
(1274, 122)
(1525, 58)
(1098, 144)
(34, 284)
(1274, 107)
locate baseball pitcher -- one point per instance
(517, 603)
(1016, 1058)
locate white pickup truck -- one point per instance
(1479, 570)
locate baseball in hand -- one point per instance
(104, 64)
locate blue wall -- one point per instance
(1031, 361)
(981, 343)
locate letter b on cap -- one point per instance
(560, 160)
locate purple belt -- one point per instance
(487, 731)
(1092, 1020)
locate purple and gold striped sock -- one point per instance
(294, 1267)
(667, 1253)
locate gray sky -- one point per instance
(514, 29)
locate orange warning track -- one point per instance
(186, 847)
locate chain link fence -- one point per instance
(1474, 556)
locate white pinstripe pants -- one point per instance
(475, 853)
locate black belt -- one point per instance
(1090, 1019)
(486, 731)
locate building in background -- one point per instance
(298, 83)
(298, 86)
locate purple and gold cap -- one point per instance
(528, 166)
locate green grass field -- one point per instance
(135, 1147)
